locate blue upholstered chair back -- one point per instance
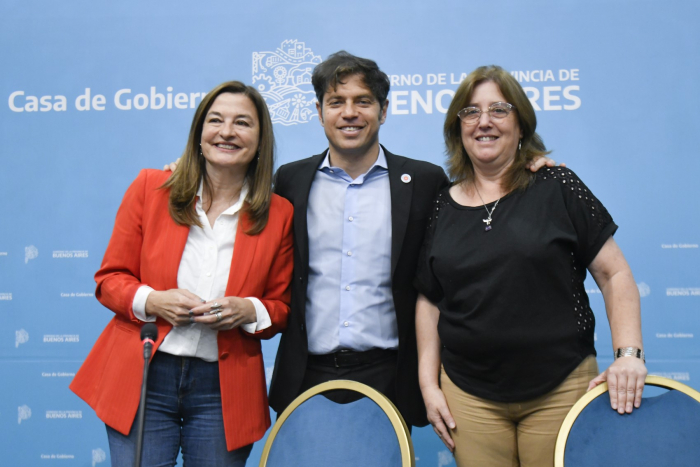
(315, 431)
(664, 431)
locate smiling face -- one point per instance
(351, 117)
(488, 140)
(230, 133)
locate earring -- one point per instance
(520, 143)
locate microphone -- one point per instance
(149, 334)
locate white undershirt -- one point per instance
(204, 270)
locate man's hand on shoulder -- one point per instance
(172, 166)
(540, 161)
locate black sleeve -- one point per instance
(592, 221)
(425, 281)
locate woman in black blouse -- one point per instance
(505, 331)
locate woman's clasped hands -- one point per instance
(180, 307)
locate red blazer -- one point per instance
(145, 249)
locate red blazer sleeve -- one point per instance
(119, 277)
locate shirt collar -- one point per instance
(380, 162)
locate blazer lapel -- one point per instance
(305, 180)
(243, 255)
(401, 196)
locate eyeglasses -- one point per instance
(497, 111)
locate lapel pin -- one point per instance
(406, 178)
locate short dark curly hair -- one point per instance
(331, 72)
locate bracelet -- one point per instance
(630, 352)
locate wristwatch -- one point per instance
(630, 352)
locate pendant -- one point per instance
(488, 227)
(488, 224)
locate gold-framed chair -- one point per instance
(664, 431)
(315, 431)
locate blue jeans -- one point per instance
(183, 410)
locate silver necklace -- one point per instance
(487, 221)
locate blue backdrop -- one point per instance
(94, 91)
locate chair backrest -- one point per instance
(665, 430)
(315, 431)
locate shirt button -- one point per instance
(346, 324)
(349, 253)
(351, 218)
(208, 274)
(347, 287)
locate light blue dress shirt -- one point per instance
(349, 303)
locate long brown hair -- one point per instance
(459, 166)
(184, 182)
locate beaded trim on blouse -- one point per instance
(585, 319)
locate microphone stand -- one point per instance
(140, 419)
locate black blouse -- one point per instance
(514, 315)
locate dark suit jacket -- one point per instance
(411, 206)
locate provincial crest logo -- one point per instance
(30, 252)
(23, 413)
(21, 337)
(283, 78)
(644, 289)
(98, 456)
(445, 458)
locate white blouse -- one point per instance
(204, 270)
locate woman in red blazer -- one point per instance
(206, 253)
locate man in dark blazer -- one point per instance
(360, 213)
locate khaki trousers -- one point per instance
(502, 434)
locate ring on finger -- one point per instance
(215, 306)
(191, 319)
(218, 316)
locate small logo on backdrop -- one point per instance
(666, 246)
(6, 296)
(57, 374)
(644, 289)
(77, 294)
(445, 458)
(283, 77)
(58, 456)
(30, 252)
(70, 254)
(21, 337)
(675, 335)
(64, 414)
(683, 292)
(676, 375)
(3, 253)
(23, 413)
(98, 456)
(59, 338)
